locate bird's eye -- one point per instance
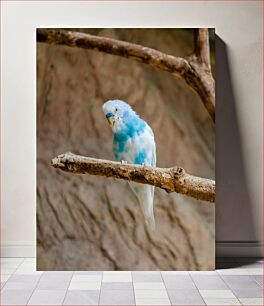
(116, 109)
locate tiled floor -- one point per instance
(238, 282)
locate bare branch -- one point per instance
(200, 63)
(202, 49)
(170, 179)
(176, 65)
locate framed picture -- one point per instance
(135, 104)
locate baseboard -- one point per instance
(239, 249)
(22, 249)
(223, 249)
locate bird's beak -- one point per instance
(110, 118)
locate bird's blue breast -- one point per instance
(140, 158)
(133, 127)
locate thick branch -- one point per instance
(175, 65)
(202, 49)
(200, 62)
(170, 179)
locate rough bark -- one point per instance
(202, 50)
(170, 179)
(195, 77)
(200, 63)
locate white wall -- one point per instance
(238, 24)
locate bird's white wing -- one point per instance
(149, 143)
(145, 193)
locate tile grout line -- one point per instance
(99, 298)
(67, 289)
(197, 288)
(230, 287)
(166, 288)
(133, 288)
(35, 286)
(252, 276)
(14, 271)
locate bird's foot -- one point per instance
(123, 162)
(143, 164)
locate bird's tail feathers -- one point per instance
(145, 195)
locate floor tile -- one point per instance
(27, 272)
(8, 270)
(12, 265)
(85, 286)
(15, 297)
(251, 301)
(27, 268)
(229, 286)
(222, 301)
(248, 293)
(59, 273)
(217, 294)
(160, 302)
(88, 273)
(86, 282)
(148, 272)
(151, 293)
(178, 282)
(5, 277)
(113, 273)
(174, 272)
(240, 282)
(146, 277)
(254, 271)
(117, 286)
(24, 278)
(208, 282)
(20, 285)
(87, 297)
(29, 265)
(209, 273)
(185, 297)
(54, 281)
(149, 286)
(117, 277)
(117, 297)
(258, 279)
(233, 271)
(47, 297)
(86, 278)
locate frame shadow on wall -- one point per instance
(234, 209)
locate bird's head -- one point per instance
(117, 113)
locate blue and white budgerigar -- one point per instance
(133, 143)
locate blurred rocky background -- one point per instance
(95, 223)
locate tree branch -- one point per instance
(200, 63)
(170, 179)
(202, 49)
(178, 66)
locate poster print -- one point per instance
(131, 100)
